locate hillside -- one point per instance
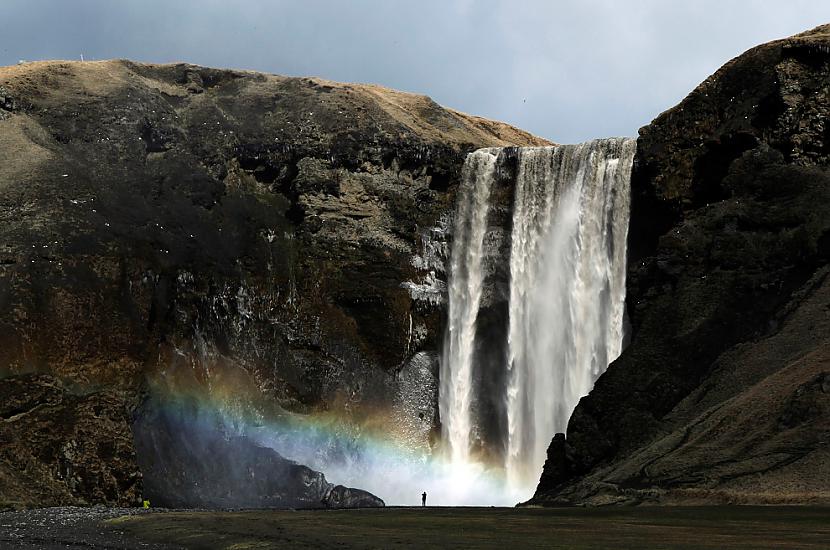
(723, 395)
(235, 240)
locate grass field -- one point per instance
(502, 528)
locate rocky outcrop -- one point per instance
(178, 223)
(190, 458)
(722, 394)
(345, 497)
(58, 447)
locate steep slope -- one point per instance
(724, 391)
(122, 184)
(253, 240)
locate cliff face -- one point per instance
(274, 247)
(61, 448)
(196, 469)
(142, 204)
(724, 391)
(181, 229)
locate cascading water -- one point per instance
(566, 294)
(567, 289)
(535, 291)
(465, 288)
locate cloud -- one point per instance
(567, 70)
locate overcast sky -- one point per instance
(568, 70)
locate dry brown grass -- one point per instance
(572, 528)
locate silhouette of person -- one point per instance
(424, 499)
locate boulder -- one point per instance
(192, 458)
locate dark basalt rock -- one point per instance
(176, 221)
(62, 448)
(344, 497)
(6, 101)
(275, 217)
(727, 296)
(190, 458)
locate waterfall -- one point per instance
(465, 286)
(567, 289)
(566, 294)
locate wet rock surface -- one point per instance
(191, 460)
(346, 497)
(727, 296)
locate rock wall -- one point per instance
(188, 462)
(61, 447)
(721, 395)
(170, 226)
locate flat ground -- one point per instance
(503, 528)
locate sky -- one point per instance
(567, 70)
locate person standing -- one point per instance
(424, 499)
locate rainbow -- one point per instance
(363, 448)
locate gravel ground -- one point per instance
(70, 528)
(640, 528)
